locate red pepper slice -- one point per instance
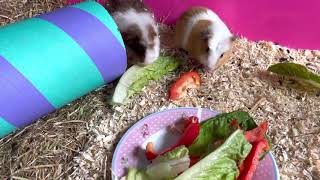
(249, 165)
(194, 160)
(189, 120)
(257, 134)
(186, 81)
(150, 154)
(189, 135)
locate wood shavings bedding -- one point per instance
(77, 142)
(293, 115)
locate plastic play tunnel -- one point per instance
(52, 59)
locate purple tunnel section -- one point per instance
(104, 50)
(20, 102)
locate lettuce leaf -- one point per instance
(136, 78)
(154, 71)
(222, 163)
(218, 128)
(136, 174)
(121, 91)
(297, 72)
(163, 167)
(169, 169)
(176, 153)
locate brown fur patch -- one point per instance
(152, 34)
(182, 22)
(131, 33)
(132, 37)
(198, 40)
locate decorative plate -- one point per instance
(130, 150)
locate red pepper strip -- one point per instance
(191, 132)
(194, 160)
(257, 134)
(189, 120)
(150, 154)
(188, 137)
(187, 80)
(235, 123)
(249, 165)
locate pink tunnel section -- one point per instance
(295, 24)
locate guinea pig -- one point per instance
(203, 35)
(138, 29)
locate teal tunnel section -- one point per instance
(6, 127)
(53, 61)
(50, 59)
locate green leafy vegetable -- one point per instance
(154, 71)
(176, 153)
(298, 72)
(218, 128)
(222, 163)
(136, 77)
(164, 167)
(135, 174)
(121, 92)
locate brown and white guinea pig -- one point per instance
(204, 36)
(138, 29)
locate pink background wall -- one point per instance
(292, 23)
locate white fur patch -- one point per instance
(153, 53)
(218, 44)
(219, 27)
(142, 19)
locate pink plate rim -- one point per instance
(141, 121)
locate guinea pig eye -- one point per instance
(221, 55)
(208, 49)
